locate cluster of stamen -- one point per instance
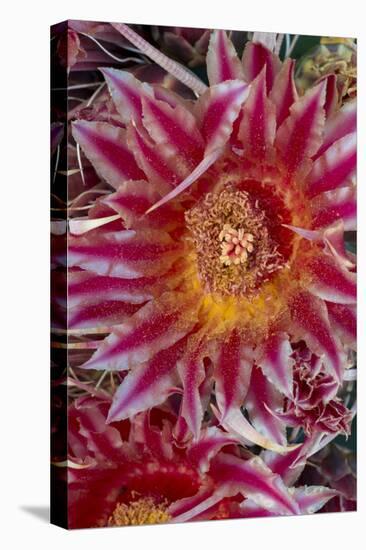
(234, 250)
(235, 245)
(144, 511)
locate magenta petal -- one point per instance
(332, 206)
(175, 131)
(331, 281)
(334, 168)
(211, 441)
(105, 146)
(105, 442)
(103, 314)
(340, 124)
(344, 319)
(126, 92)
(156, 326)
(283, 464)
(222, 60)
(258, 127)
(232, 374)
(255, 57)
(300, 135)
(253, 479)
(200, 169)
(151, 159)
(217, 110)
(312, 498)
(249, 509)
(134, 198)
(284, 93)
(155, 441)
(276, 362)
(310, 319)
(85, 287)
(192, 374)
(236, 424)
(261, 399)
(125, 254)
(147, 385)
(187, 508)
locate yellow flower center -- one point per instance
(144, 511)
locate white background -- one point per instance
(24, 131)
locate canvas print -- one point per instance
(203, 270)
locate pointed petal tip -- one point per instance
(250, 435)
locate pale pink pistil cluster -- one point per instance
(235, 245)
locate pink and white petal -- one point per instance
(85, 287)
(312, 498)
(283, 464)
(334, 168)
(102, 315)
(331, 281)
(217, 110)
(126, 92)
(261, 399)
(222, 60)
(211, 441)
(134, 198)
(172, 98)
(105, 442)
(300, 135)
(250, 509)
(237, 425)
(254, 480)
(147, 385)
(267, 39)
(344, 319)
(105, 147)
(274, 358)
(154, 440)
(332, 206)
(340, 124)
(310, 320)
(124, 254)
(187, 508)
(192, 373)
(156, 326)
(283, 93)
(258, 126)
(201, 168)
(255, 57)
(150, 158)
(175, 131)
(181, 432)
(233, 366)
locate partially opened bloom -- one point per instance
(221, 245)
(336, 56)
(135, 472)
(314, 405)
